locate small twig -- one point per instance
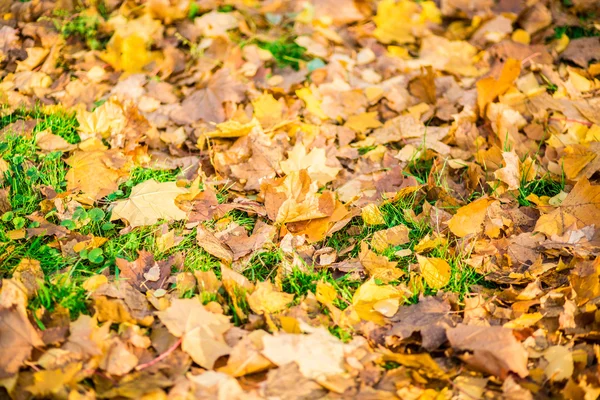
(161, 357)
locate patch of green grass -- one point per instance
(299, 283)
(574, 32)
(263, 265)
(343, 334)
(60, 122)
(83, 27)
(61, 291)
(286, 52)
(540, 187)
(419, 168)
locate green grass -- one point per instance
(463, 277)
(60, 291)
(82, 27)
(286, 52)
(540, 187)
(263, 265)
(574, 32)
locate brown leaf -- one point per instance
(17, 339)
(495, 349)
(212, 245)
(582, 50)
(136, 272)
(207, 103)
(430, 317)
(581, 207)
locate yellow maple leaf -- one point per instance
(295, 198)
(313, 162)
(378, 267)
(361, 123)
(267, 110)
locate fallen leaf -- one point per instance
(468, 220)
(318, 354)
(314, 162)
(201, 330)
(136, 272)
(435, 271)
(96, 163)
(369, 295)
(266, 300)
(393, 236)
(212, 245)
(148, 203)
(581, 207)
(402, 21)
(495, 349)
(489, 88)
(378, 267)
(18, 338)
(430, 317)
(560, 363)
(295, 198)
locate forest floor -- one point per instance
(243, 199)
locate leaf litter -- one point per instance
(299, 199)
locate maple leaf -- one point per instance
(213, 246)
(295, 198)
(149, 202)
(430, 317)
(313, 162)
(489, 88)
(581, 207)
(495, 349)
(393, 236)
(207, 103)
(400, 21)
(201, 330)
(97, 163)
(145, 273)
(317, 354)
(468, 220)
(18, 338)
(378, 267)
(268, 111)
(265, 299)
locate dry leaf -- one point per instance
(148, 203)
(468, 220)
(201, 330)
(495, 349)
(435, 271)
